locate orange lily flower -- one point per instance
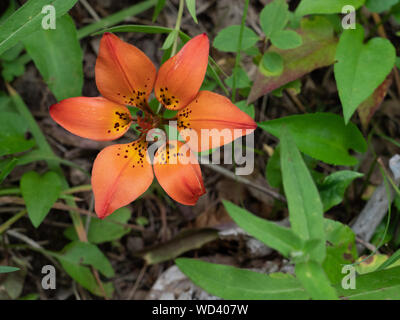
(125, 76)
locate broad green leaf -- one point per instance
(323, 136)
(326, 6)
(286, 39)
(191, 5)
(12, 69)
(274, 17)
(227, 39)
(7, 269)
(238, 284)
(242, 79)
(305, 207)
(9, 11)
(380, 5)
(277, 237)
(39, 193)
(103, 230)
(340, 251)
(333, 187)
(12, 134)
(378, 285)
(89, 254)
(249, 109)
(318, 50)
(271, 64)
(58, 56)
(313, 278)
(361, 68)
(28, 19)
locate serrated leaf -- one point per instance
(323, 136)
(238, 284)
(361, 68)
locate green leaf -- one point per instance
(12, 134)
(103, 230)
(340, 251)
(305, 207)
(7, 269)
(249, 109)
(380, 6)
(378, 285)
(6, 167)
(333, 187)
(326, 6)
(274, 17)
(286, 39)
(318, 50)
(273, 169)
(393, 259)
(361, 68)
(227, 39)
(277, 237)
(28, 19)
(58, 56)
(12, 69)
(39, 193)
(315, 281)
(271, 64)
(9, 11)
(237, 284)
(242, 79)
(323, 136)
(191, 5)
(374, 263)
(158, 8)
(169, 40)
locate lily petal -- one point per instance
(92, 118)
(179, 78)
(121, 173)
(178, 173)
(124, 74)
(216, 113)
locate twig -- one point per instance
(89, 9)
(137, 282)
(246, 182)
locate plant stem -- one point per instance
(239, 48)
(177, 26)
(12, 220)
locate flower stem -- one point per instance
(239, 49)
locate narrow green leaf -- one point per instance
(191, 5)
(232, 283)
(7, 269)
(169, 40)
(158, 8)
(313, 278)
(277, 237)
(39, 193)
(323, 136)
(393, 258)
(360, 68)
(305, 207)
(28, 19)
(6, 168)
